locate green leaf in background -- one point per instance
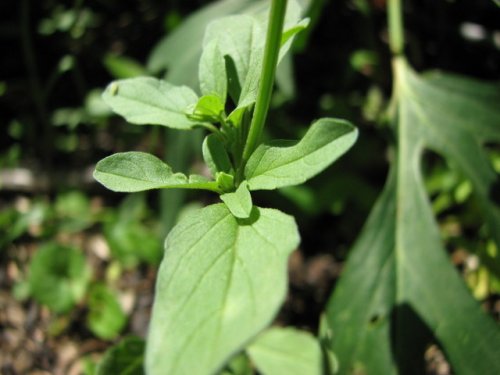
(233, 287)
(121, 67)
(286, 351)
(239, 202)
(105, 318)
(131, 239)
(145, 100)
(139, 171)
(284, 163)
(58, 276)
(399, 290)
(125, 358)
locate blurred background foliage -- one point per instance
(78, 262)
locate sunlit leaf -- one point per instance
(221, 282)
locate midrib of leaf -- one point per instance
(301, 156)
(226, 292)
(184, 256)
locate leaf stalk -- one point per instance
(396, 32)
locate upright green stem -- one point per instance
(396, 31)
(271, 53)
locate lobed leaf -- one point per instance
(139, 171)
(284, 163)
(286, 351)
(221, 281)
(146, 100)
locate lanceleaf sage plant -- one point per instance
(224, 273)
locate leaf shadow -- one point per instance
(410, 339)
(254, 216)
(494, 192)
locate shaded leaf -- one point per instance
(399, 291)
(215, 155)
(284, 163)
(139, 171)
(286, 351)
(232, 288)
(146, 100)
(125, 358)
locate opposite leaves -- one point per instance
(208, 301)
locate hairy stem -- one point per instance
(396, 31)
(271, 52)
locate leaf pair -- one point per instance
(273, 165)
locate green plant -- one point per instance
(223, 275)
(399, 291)
(58, 277)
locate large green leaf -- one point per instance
(284, 163)
(150, 101)
(286, 351)
(221, 281)
(399, 291)
(138, 171)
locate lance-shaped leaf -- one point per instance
(150, 101)
(283, 163)
(221, 282)
(138, 171)
(399, 291)
(286, 351)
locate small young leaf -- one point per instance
(146, 100)
(239, 202)
(209, 108)
(286, 351)
(215, 155)
(225, 181)
(282, 163)
(139, 171)
(221, 281)
(125, 358)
